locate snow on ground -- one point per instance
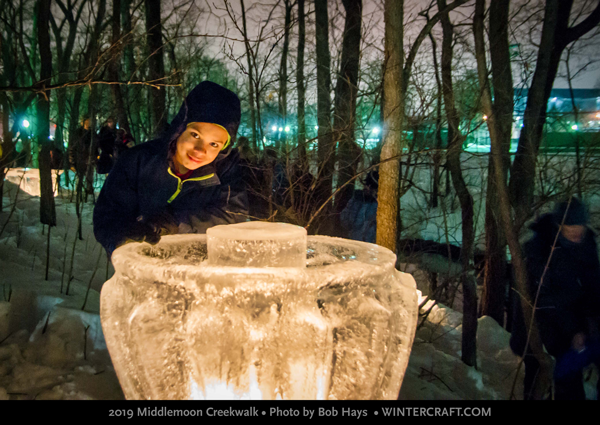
(51, 348)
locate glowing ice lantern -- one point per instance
(258, 311)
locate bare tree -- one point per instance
(494, 290)
(344, 114)
(393, 115)
(64, 51)
(556, 35)
(251, 100)
(156, 63)
(326, 145)
(283, 73)
(499, 125)
(113, 68)
(455, 141)
(47, 208)
(300, 85)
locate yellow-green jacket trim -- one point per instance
(180, 183)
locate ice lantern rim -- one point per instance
(130, 257)
(255, 230)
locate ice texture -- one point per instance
(179, 326)
(257, 244)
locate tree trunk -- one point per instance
(300, 85)
(326, 146)
(393, 113)
(437, 154)
(283, 75)
(132, 94)
(504, 203)
(344, 115)
(455, 141)
(495, 277)
(156, 65)
(250, 60)
(113, 69)
(47, 207)
(8, 146)
(64, 54)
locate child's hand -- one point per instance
(164, 224)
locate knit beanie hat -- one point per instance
(576, 212)
(211, 103)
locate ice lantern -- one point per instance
(258, 311)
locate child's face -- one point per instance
(199, 145)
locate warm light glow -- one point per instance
(25, 123)
(485, 117)
(217, 390)
(262, 324)
(598, 115)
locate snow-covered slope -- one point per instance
(51, 348)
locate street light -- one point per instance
(376, 130)
(574, 127)
(287, 129)
(25, 123)
(274, 128)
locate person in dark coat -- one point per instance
(183, 182)
(359, 217)
(124, 141)
(79, 147)
(106, 142)
(83, 150)
(567, 309)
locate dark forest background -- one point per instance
(331, 91)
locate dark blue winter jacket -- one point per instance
(142, 198)
(570, 291)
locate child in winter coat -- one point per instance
(183, 182)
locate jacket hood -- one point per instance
(547, 226)
(211, 103)
(546, 223)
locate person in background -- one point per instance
(82, 153)
(184, 182)
(106, 143)
(359, 217)
(124, 141)
(567, 311)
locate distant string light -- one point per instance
(574, 127)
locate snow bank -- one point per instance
(51, 349)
